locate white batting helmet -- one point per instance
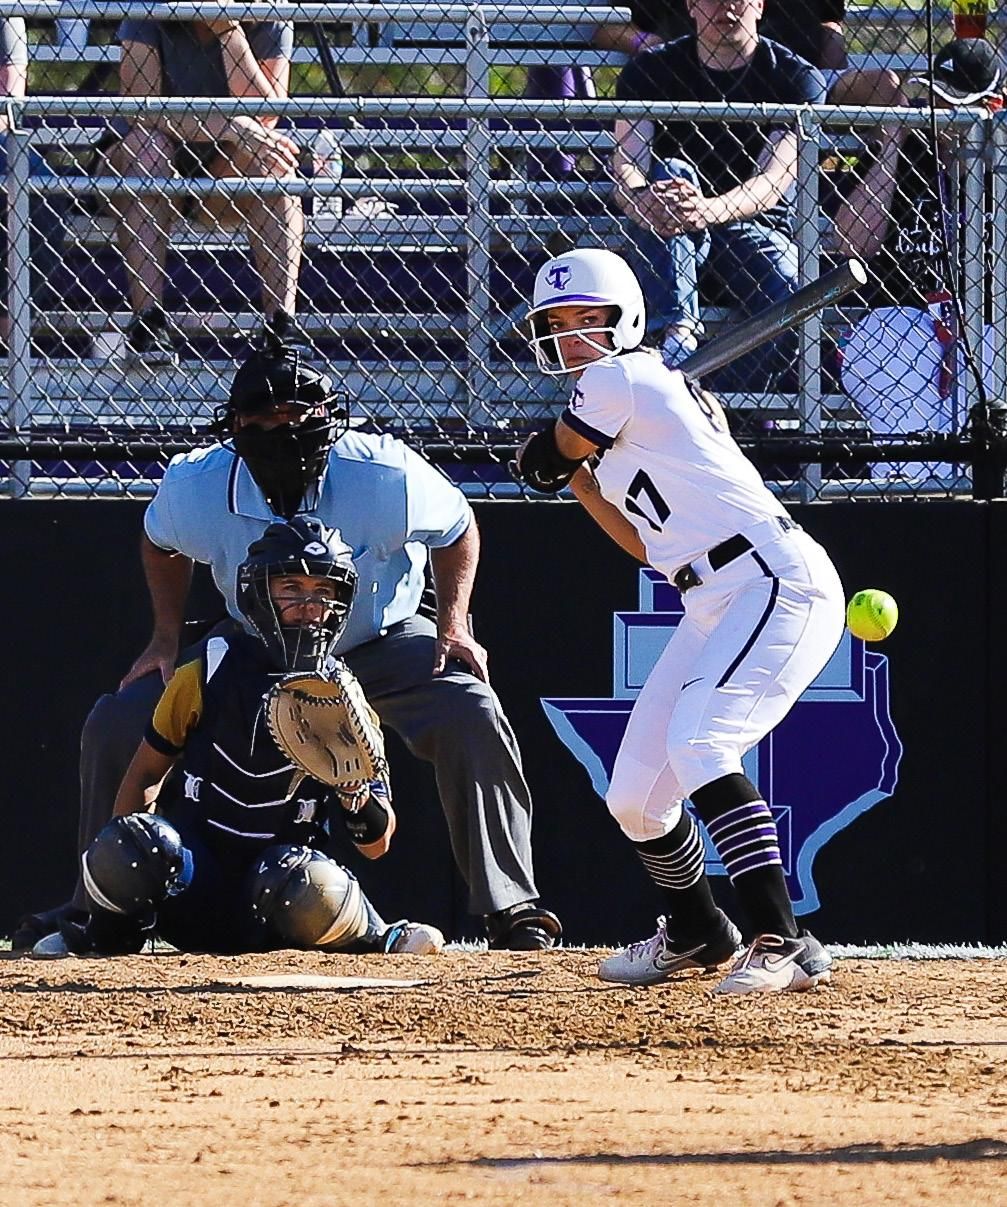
(589, 276)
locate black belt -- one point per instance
(719, 556)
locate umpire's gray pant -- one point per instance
(453, 721)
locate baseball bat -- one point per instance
(770, 323)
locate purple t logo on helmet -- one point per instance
(559, 276)
(849, 700)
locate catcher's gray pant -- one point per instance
(454, 722)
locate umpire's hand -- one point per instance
(160, 655)
(459, 643)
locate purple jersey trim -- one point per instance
(587, 431)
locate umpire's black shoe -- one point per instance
(524, 927)
(32, 927)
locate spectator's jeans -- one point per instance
(747, 264)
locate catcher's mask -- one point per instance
(300, 546)
(134, 863)
(287, 459)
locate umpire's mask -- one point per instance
(299, 547)
(290, 458)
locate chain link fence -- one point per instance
(381, 186)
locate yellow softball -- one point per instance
(871, 614)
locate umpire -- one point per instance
(284, 450)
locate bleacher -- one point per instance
(388, 295)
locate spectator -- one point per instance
(278, 456)
(898, 363)
(206, 58)
(46, 214)
(709, 203)
(812, 29)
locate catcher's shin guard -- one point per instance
(306, 899)
(134, 864)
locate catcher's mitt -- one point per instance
(328, 730)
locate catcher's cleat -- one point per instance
(524, 927)
(776, 965)
(654, 960)
(72, 939)
(413, 939)
(32, 927)
(52, 947)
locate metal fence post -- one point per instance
(478, 229)
(972, 263)
(809, 134)
(997, 232)
(19, 383)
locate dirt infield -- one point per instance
(501, 1079)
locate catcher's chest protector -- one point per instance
(233, 775)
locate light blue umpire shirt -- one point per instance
(387, 503)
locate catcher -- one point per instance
(234, 865)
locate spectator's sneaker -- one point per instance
(679, 342)
(524, 927)
(413, 939)
(776, 965)
(148, 341)
(654, 960)
(282, 330)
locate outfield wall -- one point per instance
(885, 780)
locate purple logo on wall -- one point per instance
(834, 757)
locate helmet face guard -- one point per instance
(300, 547)
(288, 459)
(548, 350)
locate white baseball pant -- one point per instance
(754, 636)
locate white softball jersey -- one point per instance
(670, 464)
(763, 615)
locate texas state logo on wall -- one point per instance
(834, 757)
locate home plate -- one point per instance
(305, 980)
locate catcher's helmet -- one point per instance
(134, 863)
(586, 277)
(286, 459)
(300, 546)
(306, 899)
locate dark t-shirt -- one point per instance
(724, 154)
(795, 24)
(192, 67)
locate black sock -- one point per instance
(742, 829)
(675, 864)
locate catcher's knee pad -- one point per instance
(135, 863)
(306, 899)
